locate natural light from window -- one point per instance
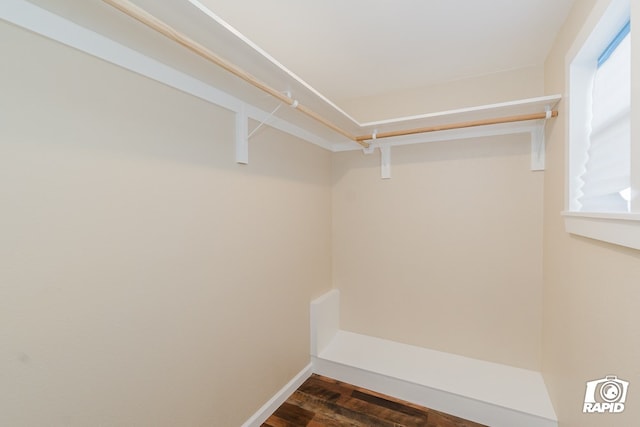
(602, 185)
(606, 173)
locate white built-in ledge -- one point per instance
(488, 393)
(617, 228)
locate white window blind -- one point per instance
(606, 175)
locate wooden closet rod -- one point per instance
(462, 125)
(151, 21)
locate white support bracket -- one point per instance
(372, 146)
(385, 161)
(385, 155)
(538, 143)
(267, 119)
(537, 148)
(242, 136)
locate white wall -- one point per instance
(145, 278)
(591, 292)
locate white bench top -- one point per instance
(514, 388)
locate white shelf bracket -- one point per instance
(385, 161)
(370, 149)
(242, 136)
(537, 148)
(269, 117)
(538, 143)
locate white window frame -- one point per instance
(604, 23)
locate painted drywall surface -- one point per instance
(145, 278)
(447, 254)
(481, 90)
(591, 292)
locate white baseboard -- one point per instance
(419, 394)
(489, 393)
(279, 398)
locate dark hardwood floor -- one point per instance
(322, 401)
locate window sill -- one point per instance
(618, 228)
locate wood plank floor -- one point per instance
(322, 401)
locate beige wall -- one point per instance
(591, 289)
(145, 278)
(448, 253)
(481, 90)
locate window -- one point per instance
(606, 178)
(600, 186)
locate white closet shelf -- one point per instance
(101, 30)
(470, 115)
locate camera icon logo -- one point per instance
(607, 394)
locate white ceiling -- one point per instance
(348, 49)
